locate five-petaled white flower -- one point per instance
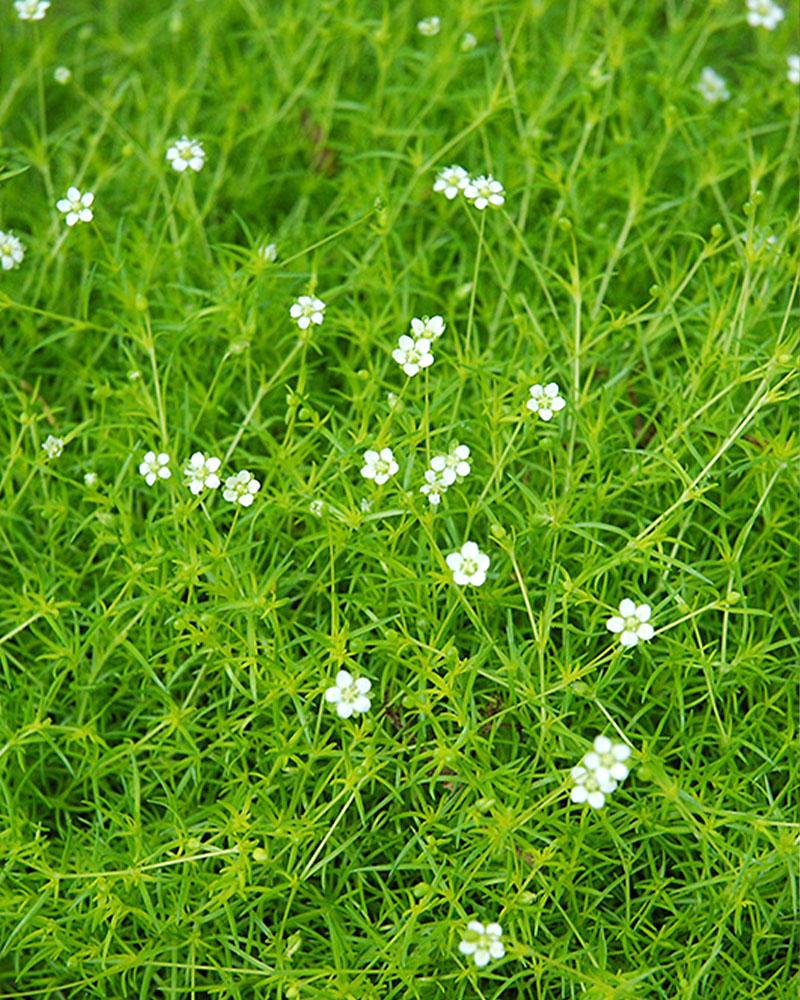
(607, 759)
(450, 181)
(76, 206)
(379, 465)
(712, 86)
(545, 400)
(307, 310)
(482, 943)
(434, 486)
(468, 42)
(349, 694)
(155, 466)
(201, 473)
(453, 466)
(53, 446)
(468, 565)
(62, 75)
(186, 154)
(11, 251)
(632, 623)
(429, 327)
(413, 354)
(590, 786)
(268, 252)
(241, 488)
(31, 10)
(429, 26)
(793, 69)
(483, 191)
(764, 14)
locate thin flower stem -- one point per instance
(473, 291)
(43, 134)
(151, 352)
(496, 472)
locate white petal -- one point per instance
(496, 949)
(596, 800)
(627, 607)
(645, 631)
(602, 744)
(467, 947)
(494, 930)
(333, 695)
(615, 624)
(344, 709)
(643, 612)
(344, 679)
(481, 958)
(361, 704)
(363, 685)
(476, 927)
(629, 638)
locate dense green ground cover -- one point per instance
(181, 814)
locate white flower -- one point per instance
(607, 759)
(545, 400)
(11, 251)
(241, 488)
(62, 74)
(349, 694)
(307, 310)
(429, 26)
(450, 181)
(317, 507)
(76, 206)
(201, 473)
(429, 327)
(379, 465)
(90, 479)
(155, 466)
(453, 466)
(764, 14)
(632, 623)
(53, 446)
(31, 10)
(186, 153)
(434, 487)
(760, 241)
(483, 191)
(591, 787)
(793, 69)
(468, 42)
(413, 355)
(469, 565)
(482, 943)
(712, 86)
(268, 252)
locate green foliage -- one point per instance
(181, 815)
